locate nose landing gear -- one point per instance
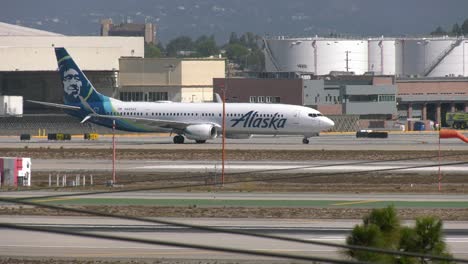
(305, 140)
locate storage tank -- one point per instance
(316, 55)
(382, 56)
(433, 57)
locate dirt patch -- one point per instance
(240, 212)
(237, 155)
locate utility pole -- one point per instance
(347, 60)
(113, 153)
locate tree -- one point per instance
(381, 229)
(152, 51)
(426, 238)
(176, 45)
(206, 46)
(386, 222)
(366, 236)
(439, 32)
(456, 30)
(237, 53)
(233, 38)
(464, 27)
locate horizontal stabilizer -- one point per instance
(69, 107)
(85, 119)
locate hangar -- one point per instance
(29, 68)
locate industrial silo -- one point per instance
(316, 55)
(382, 56)
(433, 57)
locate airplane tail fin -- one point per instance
(75, 83)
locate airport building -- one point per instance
(28, 65)
(172, 79)
(431, 98)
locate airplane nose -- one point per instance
(326, 123)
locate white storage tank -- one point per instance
(433, 57)
(382, 56)
(316, 55)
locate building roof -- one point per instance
(128, 27)
(14, 30)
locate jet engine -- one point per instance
(201, 132)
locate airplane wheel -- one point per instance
(305, 141)
(179, 139)
(200, 141)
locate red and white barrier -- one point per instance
(15, 171)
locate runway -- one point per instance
(329, 141)
(24, 243)
(334, 166)
(238, 200)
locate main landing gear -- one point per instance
(305, 141)
(179, 139)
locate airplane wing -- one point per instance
(69, 107)
(177, 125)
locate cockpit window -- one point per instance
(319, 114)
(313, 115)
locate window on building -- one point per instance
(363, 98)
(253, 99)
(386, 98)
(158, 96)
(261, 99)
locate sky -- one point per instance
(294, 18)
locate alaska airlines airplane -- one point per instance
(194, 121)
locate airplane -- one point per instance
(194, 121)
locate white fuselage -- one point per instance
(241, 118)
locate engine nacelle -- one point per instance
(201, 132)
(239, 136)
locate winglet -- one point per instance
(217, 98)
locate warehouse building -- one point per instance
(28, 65)
(172, 79)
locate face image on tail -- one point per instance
(75, 83)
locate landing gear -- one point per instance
(305, 141)
(200, 141)
(179, 139)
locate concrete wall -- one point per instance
(202, 72)
(151, 72)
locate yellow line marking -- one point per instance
(356, 202)
(53, 200)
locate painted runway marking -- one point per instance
(356, 202)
